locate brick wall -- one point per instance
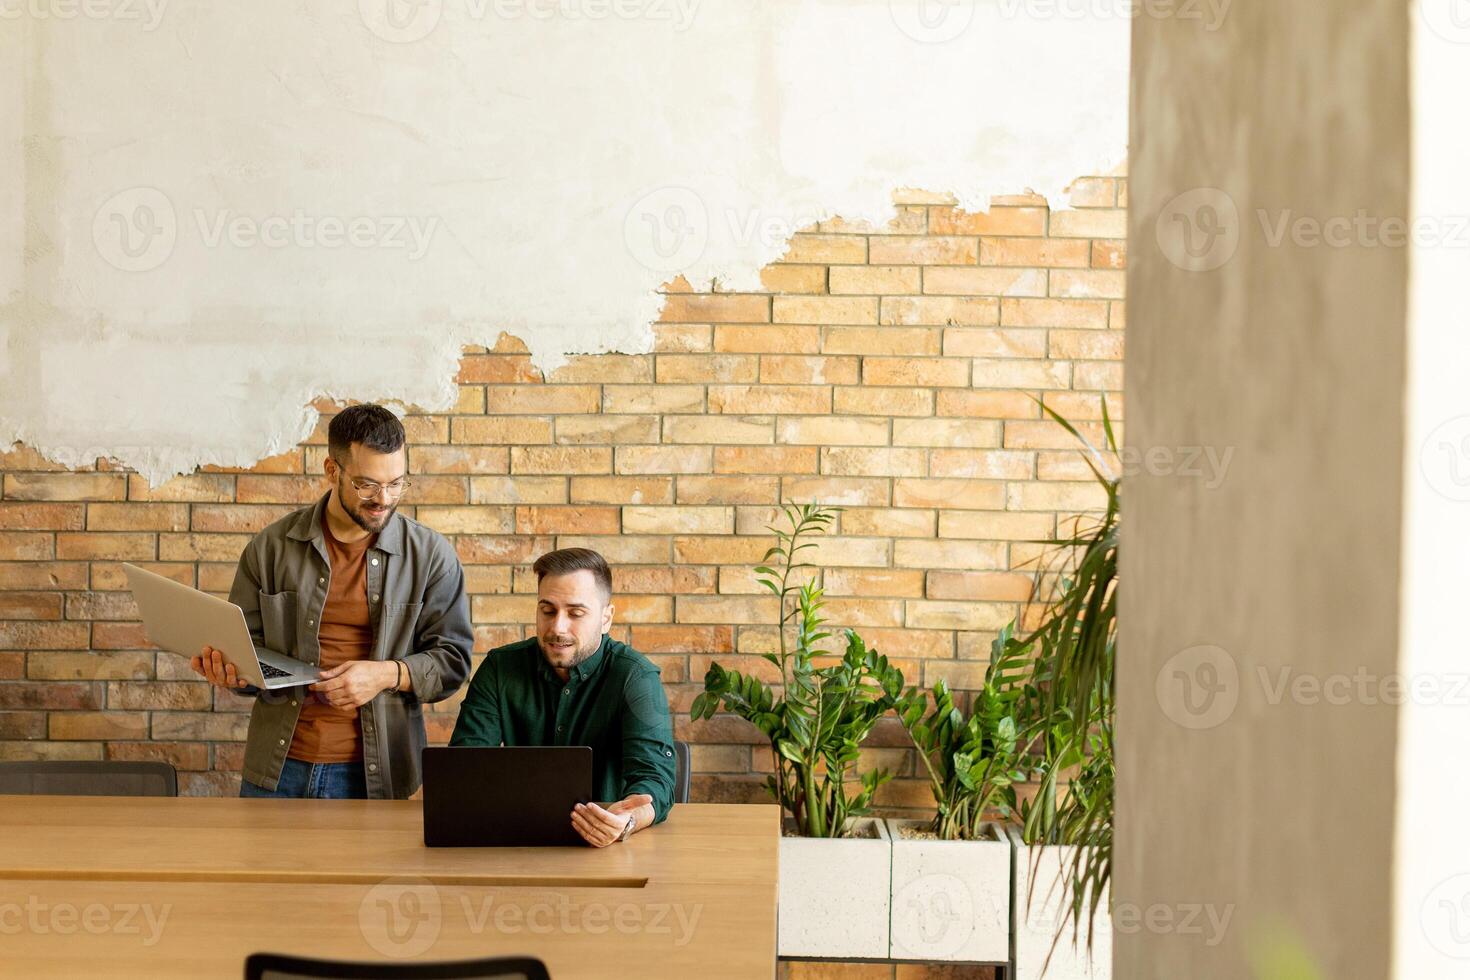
(888, 371)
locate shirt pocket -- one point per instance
(400, 626)
(278, 621)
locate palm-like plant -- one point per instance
(823, 713)
(1074, 674)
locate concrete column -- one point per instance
(1262, 604)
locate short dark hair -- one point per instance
(568, 560)
(371, 425)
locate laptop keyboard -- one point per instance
(270, 672)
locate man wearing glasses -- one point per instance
(373, 597)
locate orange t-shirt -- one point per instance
(324, 733)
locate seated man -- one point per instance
(571, 684)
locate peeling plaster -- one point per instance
(245, 206)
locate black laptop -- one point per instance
(504, 797)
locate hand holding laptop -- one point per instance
(210, 664)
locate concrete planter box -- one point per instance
(951, 898)
(1036, 922)
(834, 895)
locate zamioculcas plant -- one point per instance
(974, 761)
(822, 713)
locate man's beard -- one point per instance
(365, 521)
(582, 653)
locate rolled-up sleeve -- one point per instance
(444, 637)
(648, 741)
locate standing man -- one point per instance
(374, 598)
(571, 684)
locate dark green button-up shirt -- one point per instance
(613, 701)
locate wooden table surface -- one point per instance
(97, 886)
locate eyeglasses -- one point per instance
(367, 489)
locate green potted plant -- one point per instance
(834, 861)
(1063, 926)
(951, 875)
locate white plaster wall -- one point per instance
(223, 209)
(1432, 860)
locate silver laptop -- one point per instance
(184, 621)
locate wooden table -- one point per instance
(98, 886)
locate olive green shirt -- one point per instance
(613, 701)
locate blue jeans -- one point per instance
(314, 780)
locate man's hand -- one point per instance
(601, 826)
(356, 682)
(210, 664)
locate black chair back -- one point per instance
(682, 779)
(276, 966)
(58, 777)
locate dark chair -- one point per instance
(49, 777)
(681, 772)
(275, 966)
